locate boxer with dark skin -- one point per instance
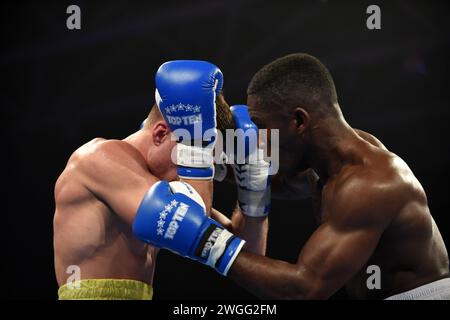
(373, 210)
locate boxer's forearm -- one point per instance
(205, 189)
(273, 279)
(252, 230)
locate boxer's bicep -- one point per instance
(328, 260)
(343, 244)
(117, 175)
(335, 252)
(333, 256)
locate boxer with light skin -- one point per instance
(99, 192)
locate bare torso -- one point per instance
(90, 235)
(411, 251)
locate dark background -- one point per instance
(62, 88)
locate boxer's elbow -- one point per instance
(305, 285)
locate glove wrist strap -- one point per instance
(254, 203)
(195, 162)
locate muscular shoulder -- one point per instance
(98, 160)
(368, 197)
(99, 155)
(101, 148)
(370, 138)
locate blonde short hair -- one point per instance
(153, 116)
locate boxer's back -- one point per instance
(88, 234)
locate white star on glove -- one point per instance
(163, 214)
(160, 223)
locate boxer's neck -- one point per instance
(158, 159)
(334, 144)
(141, 140)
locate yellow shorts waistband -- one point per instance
(105, 289)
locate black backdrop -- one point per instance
(62, 88)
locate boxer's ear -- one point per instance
(301, 119)
(160, 132)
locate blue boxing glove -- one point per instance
(252, 177)
(172, 216)
(186, 96)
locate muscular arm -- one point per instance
(336, 251)
(252, 230)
